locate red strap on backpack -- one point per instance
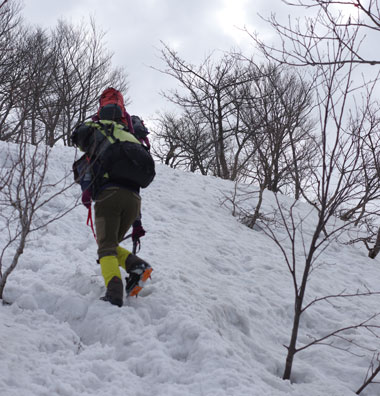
(91, 223)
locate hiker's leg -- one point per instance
(130, 210)
(131, 206)
(107, 222)
(122, 255)
(110, 268)
(115, 212)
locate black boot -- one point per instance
(139, 271)
(114, 293)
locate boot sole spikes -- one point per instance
(144, 277)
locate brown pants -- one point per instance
(115, 211)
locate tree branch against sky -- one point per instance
(311, 40)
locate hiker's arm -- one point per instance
(85, 181)
(84, 172)
(85, 184)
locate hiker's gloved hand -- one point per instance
(137, 230)
(86, 198)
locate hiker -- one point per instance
(107, 176)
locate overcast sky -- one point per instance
(135, 28)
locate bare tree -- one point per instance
(50, 82)
(254, 114)
(281, 148)
(277, 119)
(11, 70)
(331, 45)
(331, 23)
(351, 24)
(165, 147)
(82, 69)
(24, 192)
(37, 64)
(184, 142)
(369, 193)
(287, 221)
(373, 370)
(209, 91)
(312, 41)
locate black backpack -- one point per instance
(122, 158)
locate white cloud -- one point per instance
(135, 29)
(233, 17)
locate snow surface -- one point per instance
(213, 320)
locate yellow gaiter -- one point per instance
(122, 255)
(110, 268)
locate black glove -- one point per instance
(137, 231)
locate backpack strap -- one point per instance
(108, 129)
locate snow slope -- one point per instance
(212, 321)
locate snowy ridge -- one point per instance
(212, 321)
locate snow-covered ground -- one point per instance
(213, 321)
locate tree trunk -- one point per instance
(14, 263)
(292, 348)
(225, 174)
